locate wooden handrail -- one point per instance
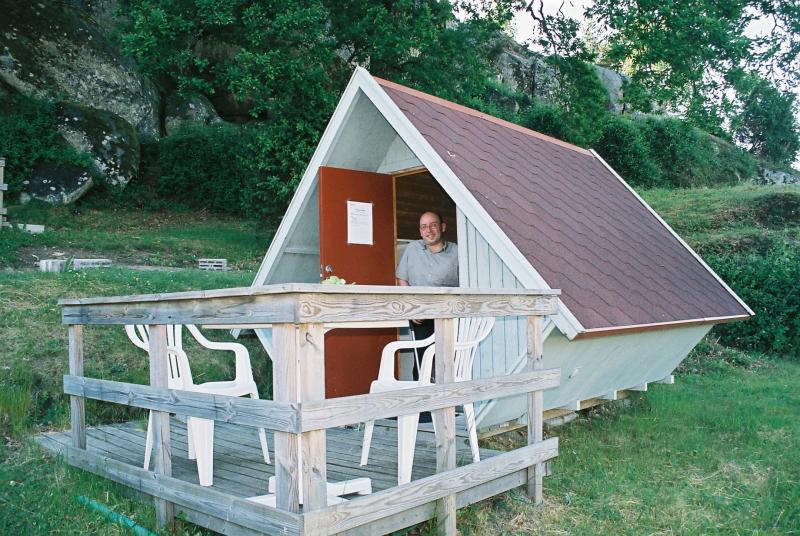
(307, 303)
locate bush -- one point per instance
(623, 147)
(549, 120)
(680, 150)
(202, 167)
(770, 285)
(29, 136)
(276, 157)
(689, 157)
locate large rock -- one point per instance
(777, 176)
(57, 185)
(613, 82)
(180, 112)
(52, 49)
(527, 72)
(108, 138)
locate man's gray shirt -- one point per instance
(422, 267)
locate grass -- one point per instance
(134, 237)
(34, 341)
(738, 218)
(715, 453)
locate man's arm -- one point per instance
(402, 283)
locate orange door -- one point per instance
(352, 356)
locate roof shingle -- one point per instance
(577, 225)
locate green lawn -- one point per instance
(715, 453)
(136, 237)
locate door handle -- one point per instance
(328, 268)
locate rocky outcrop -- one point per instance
(108, 138)
(180, 112)
(57, 185)
(527, 72)
(613, 82)
(776, 176)
(55, 50)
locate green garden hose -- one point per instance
(115, 517)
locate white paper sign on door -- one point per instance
(359, 223)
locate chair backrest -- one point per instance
(470, 333)
(180, 375)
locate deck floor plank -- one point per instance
(239, 468)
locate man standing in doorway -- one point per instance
(430, 262)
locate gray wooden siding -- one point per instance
(481, 267)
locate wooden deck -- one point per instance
(239, 468)
(311, 449)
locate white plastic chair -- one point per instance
(200, 432)
(469, 334)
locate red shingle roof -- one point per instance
(577, 225)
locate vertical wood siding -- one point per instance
(481, 267)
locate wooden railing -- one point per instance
(307, 414)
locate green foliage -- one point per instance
(547, 119)
(623, 146)
(583, 97)
(770, 285)
(767, 124)
(204, 167)
(29, 136)
(778, 209)
(685, 155)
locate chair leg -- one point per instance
(202, 436)
(368, 427)
(262, 436)
(190, 441)
(148, 442)
(406, 443)
(469, 415)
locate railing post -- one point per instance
(77, 404)
(284, 389)
(535, 355)
(159, 377)
(445, 420)
(312, 387)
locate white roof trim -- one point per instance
(463, 198)
(301, 195)
(677, 237)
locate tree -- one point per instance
(579, 91)
(687, 53)
(767, 123)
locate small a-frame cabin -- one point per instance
(527, 211)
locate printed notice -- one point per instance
(359, 223)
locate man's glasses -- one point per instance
(432, 226)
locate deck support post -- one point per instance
(535, 406)
(312, 387)
(77, 404)
(162, 452)
(285, 389)
(445, 421)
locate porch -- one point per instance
(315, 440)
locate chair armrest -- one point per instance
(386, 370)
(135, 338)
(244, 371)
